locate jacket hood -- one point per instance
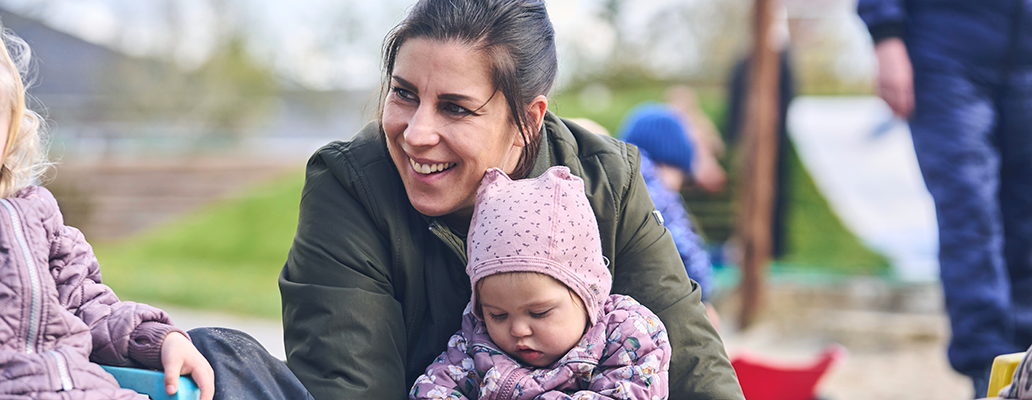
(543, 225)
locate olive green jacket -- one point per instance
(372, 289)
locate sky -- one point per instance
(321, 44)
(335, 44)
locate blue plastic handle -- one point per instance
(152, 383)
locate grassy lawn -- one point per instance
(225, 256)
(228, 255)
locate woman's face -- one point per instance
(446, 125)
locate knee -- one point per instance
(223, 340)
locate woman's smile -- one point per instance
(430, 168)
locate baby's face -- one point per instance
(532, 317)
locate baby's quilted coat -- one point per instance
(626, 355)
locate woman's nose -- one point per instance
(422, 128)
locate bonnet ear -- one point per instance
(491, 177)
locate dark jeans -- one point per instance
(972, 132)
(243, 368)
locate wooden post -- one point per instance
(758, 164)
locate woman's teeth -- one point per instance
(429, 168)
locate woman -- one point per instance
(375, 281)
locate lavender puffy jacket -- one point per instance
(56, 319)
(626, 355)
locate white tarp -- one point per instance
(862, 160)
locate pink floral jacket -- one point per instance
(626, 355)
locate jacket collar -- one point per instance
(544, 161)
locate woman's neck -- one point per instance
(458, 221)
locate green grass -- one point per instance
(225, 256)
(228, 255)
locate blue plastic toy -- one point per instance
(152, 383)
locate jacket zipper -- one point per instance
(454, 243)
(62, 370)
(34, 311)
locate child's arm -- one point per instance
(122, 332)
(451, 376)
(637, 360)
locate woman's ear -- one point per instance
(536, 110)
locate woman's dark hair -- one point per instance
(516, 36)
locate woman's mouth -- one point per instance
(429, 168)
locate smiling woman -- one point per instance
(375, 283)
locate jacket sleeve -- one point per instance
(647, 267)
(688, 243)
(637, 357)
(344, 331)
(451, 376)
(123, 331)
(884, 18)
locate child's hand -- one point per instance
(180, 357)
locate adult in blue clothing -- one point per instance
(662, 136)
(961, 71)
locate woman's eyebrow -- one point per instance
(454, 97)
(402, 82)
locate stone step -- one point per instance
(115, 199)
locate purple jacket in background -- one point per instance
(671, 206)
(57, 321)
(626, 355)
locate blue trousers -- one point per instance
(972, 132)
(244, 370)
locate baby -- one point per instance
(541, 322)
(56, 319)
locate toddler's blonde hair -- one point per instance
(25, 153)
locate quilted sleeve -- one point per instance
(122, 331)
(636, 363)
(451, 376)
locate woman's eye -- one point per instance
(455, 109)
(403, 94)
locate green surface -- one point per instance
(225, 256)
(228, 255)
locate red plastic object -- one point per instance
(766, 379)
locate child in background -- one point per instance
(541, 323)
(56, 319)
(661, 134)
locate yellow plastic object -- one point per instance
(1003, 371)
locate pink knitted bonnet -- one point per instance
(542, 225)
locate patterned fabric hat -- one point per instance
(542, 225)
(660, 131)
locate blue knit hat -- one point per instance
(659, 131)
